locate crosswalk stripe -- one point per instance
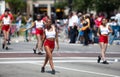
(56, 61)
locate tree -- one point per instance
(81, 5)
(107, 6)
(17, 5)
(61, 4)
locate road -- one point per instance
(72, 60)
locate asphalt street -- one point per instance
(71, 60)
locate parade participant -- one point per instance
(11, 18)
(38, 24)
(39, 34)
(45, 17)
(6, 22)
(50, 36)
(103, 32)
(9, 14)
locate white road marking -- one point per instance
(60, 52)
(41, 61)
(68, 58)
(57, 60)
(84, 71)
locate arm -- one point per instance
(11, 17)
(56, 39)
(88, 23)
(98, 32)
(43, 38)
(25, 19)
(33, 24)
(110, 30)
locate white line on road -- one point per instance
(60, 61)
(78, 58)
(84, 71)
(29, 51)
(56, 61)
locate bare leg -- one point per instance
(46, 60)
(103, 50)
(5, 38)
(49, 54)
(38, 45)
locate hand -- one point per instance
(41, 48)
(57, 47)
(23, 29)
(98, 34)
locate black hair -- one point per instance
(7, 10)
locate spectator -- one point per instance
(28, 33)
(18, 23)
(73, 27)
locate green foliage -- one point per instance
(98, 5)
(106, 5)
(61, 4)
(16, 5)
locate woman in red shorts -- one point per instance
(50, 36)
(6, 22)
(39, 34)
(38, 24)
(103, 33)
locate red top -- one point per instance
(11, 16)
(45, 18)
(98, 21)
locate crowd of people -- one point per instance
(88, 29)
(82, 28)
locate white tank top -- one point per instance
(6, 20)
(104, 30)
(50, 34)
(39, 24)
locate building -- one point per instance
(2, 6)
(41, 6)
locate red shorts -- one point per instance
(103, 39)
(39, 31)
(5, 27)
(49, 43)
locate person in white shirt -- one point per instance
(50, 36)
(6, 22)
(118, 18)
(73, 25)
(38, 24)
(103, 32)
